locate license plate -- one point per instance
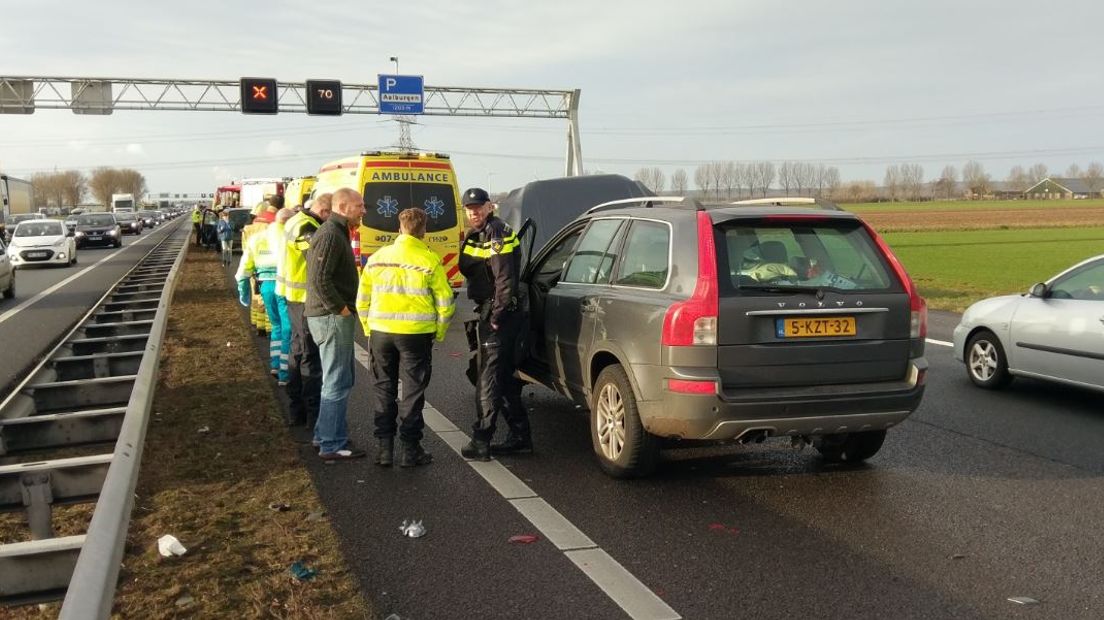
(816, 328)
(95, 238)
(36, 255)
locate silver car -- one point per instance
(1055, 332)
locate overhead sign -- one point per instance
(16, 96)
(401, 94)
(91, 97)
(324, 97)
(259, 96)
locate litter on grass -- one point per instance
(412, 529)
(169, 546)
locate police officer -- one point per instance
(490, 259)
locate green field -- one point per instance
(970, 205)
(954, 269)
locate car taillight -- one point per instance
(694, 321)
(918, 308)
(685, 386)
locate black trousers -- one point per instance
(499, 391)
(196, 227)
(304, 386)
(400, 356)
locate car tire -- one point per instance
(986, 364)
(850, 447)
(9, 293)
(623, 447)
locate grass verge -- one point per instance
(213, 489)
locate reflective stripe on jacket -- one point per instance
(276, 243)
(404, 290)
(297, 234)
(257, 258)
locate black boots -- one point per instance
(476, 449)
(413, 454)
(513, 444)
(386, 454)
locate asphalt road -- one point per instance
(977, 498)
(30, 327)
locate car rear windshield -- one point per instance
(125, 217)
(384, 201)
(774, 255)
(96, 220)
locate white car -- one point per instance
(42, 242)
(1054, 332)
(7, 273)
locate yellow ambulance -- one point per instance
(393, 181)
(298, 191)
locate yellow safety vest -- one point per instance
(404, 290)
(257, 258)
(297, 232)
(275, 234)
(197, 217)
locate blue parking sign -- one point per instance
(401, 94)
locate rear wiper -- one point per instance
(774, 288)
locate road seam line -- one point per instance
(611, 577)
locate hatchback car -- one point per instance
(7, 273)
(129, 222)
(149, 218)
(98, 229)
(672, 321)
(42, 242)
(1054, 332)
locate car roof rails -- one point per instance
(786, 201)
(649, 202)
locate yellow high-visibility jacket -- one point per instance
(276, 243)
(404, 290)
(297, 234)
(257, 259)
(197, 217)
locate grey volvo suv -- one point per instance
(673, 321)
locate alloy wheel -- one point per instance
(611, 422)
(983, 360)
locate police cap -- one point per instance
(476, 196)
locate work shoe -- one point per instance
(513, 444)
(386, 454)
(274, 372)
(413, 454)
(477, 450)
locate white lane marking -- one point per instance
(942, 343)
(621, 586)
(10, 313)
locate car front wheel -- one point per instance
(623, 447)
(986, 364)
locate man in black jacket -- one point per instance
(332, 281)
(490, 259)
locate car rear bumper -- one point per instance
(104, 241)
(813, 410)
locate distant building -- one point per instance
(1061, 188)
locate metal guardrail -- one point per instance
(95, 387)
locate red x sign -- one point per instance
(260, 92)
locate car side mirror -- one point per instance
(1039, 290)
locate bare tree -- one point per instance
(132, 182)
(805, 174)
(1073, 172)
(947, 185)
(1094, 177)
(912, 181)
(679, 182)
(976, 179)
(786, 177)
(830, 181)
(701, 179)
(729, 178)
(1038, 172)
(652, 178)
(857, 191)
(102, 184)
(892, 182)
(1018, 179)
(763, 175)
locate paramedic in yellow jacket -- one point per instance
(404, 303)
(259, 261)
(275, 233)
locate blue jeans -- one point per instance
(334, 335)
(276, 352)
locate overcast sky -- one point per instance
(856, 84)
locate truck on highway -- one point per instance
(122, 203)
(16, 197)
(254, 191)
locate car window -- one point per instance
(553, 264)
(834, 255)
(644, 261)
(96, 220)
(1086, 284)
(593, 259)
(39, 229)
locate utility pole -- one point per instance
(406, 142)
